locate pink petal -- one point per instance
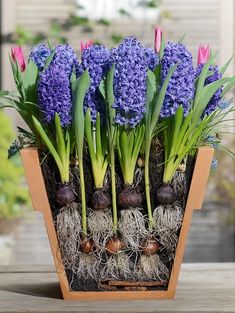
(203, 54)
(158, 39)
(18, 56)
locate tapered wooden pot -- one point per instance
(40, 203)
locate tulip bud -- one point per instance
(203, 54)
(82, 45)
(85, 45)
(18, 57)
(158, 39)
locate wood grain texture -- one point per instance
(202, 288)
(40, 203)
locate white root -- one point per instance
(100, 225)
(167, 221)
(150, 268)
(132, 227)
(68, 225)
(168, 217)
(117, 267)
(138, 176)
(179, 184)
(87, 266)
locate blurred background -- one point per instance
(27, 22)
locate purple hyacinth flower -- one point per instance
(39, 54)
(152, 58)
(216, 99)
(181, 89)
(97, 60)
(54, 94)
(65, 57)
(129, 82)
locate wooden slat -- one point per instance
(203, 288)
(135, 283)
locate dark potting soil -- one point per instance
(189, 171)
(156, 167)
(51, 178)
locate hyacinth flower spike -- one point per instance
(203, 54)
(95, 59)
(39, 55)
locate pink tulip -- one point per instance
(203, 54)
(85, 45)
(18, 57)
(158, 39)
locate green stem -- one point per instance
(146, 177)
(112, 140)
(97, 154)
(99, 172)
(113, 180)
(128, 172)
(67, 154)
(128, 147)
(83, 198)
(61, 166)
(168, 172)
(60, 139)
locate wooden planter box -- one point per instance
(40, 203)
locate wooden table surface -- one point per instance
(201, 288)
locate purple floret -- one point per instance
(65, 57)
(152, 58)
(39, 54)
(216, 99)
(212, 141)
(214, 163)
(181, 89)
(97, 60)
(54, 95)
(129, 82)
